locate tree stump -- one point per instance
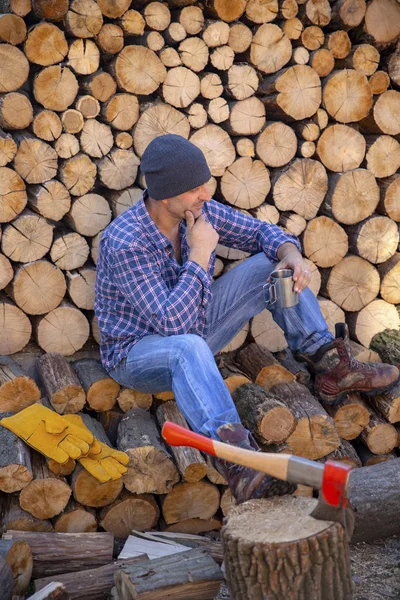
(274, 549)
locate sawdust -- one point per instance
(375, 570)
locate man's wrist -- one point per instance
(200, 257)
(287, 248)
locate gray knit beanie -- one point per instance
(172, 165)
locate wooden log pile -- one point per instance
(295, 104)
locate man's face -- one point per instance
(192, 200)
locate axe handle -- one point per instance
(282, 466)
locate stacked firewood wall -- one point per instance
(296, 107)
(294, 103)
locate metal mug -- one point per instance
(280, 290)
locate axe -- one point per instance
(331, 478)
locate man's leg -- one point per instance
(238, 296)
(185, 365)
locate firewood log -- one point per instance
(17, 390)
(266, 332)
(101, 390)
(88, 105)
(110, 420)
(315, 435)
(45, 45)
(95, 584)
(381, 481)
(15, 462)
(83, 19)
(276, 144)
(174, 34)
(389, 194)
(383, 155)
(375, 239)
(128, 512)
(283, 515)
(240, 37)
(170, 57)
(52, 591)
(18, 556)
(379, 436)
(245, 147)
(28, 238)
(96, 138)
(331, 312)
(121, 111)
(346, 454)
(281, 90)
(217, 146)
(322, 61)
(382, 30)
(339, 44)
(117, 170)
(15, 111)
(8, 149)
(245, 183)
(15, 327)
(6, 271)
(341, 148)
(394, 66)
(387, 404)
(47, 494)
(192, 526)
(35, 161)
(347, 14)
(94, 254)
(63, 470)
(129, 398)
(192, 19)
(359, 188)
(386, 112)
(226, 10)
(80, 285)
(337, 100)
(13, 517)
(350, 416)
(123, 199)
(83, 57)
(368, 458)
(17, 68)
(298, 369)
(43, 10)
(325, 242)
(218, 110)
(110, 40)
(263, 414)
(55, 87)
(12, 29)
(64, 330)
(72, 121)
(55, 553)
(215, 33)
(123, 140)
(90, 492)
(270, 49)
(12, 194)
(379, 82)
(69, 250)
(20, 7)
(190, 462)
(61, 383)
(76, 519)
(78, 174)
(138, 70)
(38, 287)
(194, 54)
(66, 146)
(89, 214)
(300, 186)
(192, 573)
(292, 222)
(50, 199)
(6, 580)
(293, 28)
(312, 37)
(306, 149)
(352, 284)
(150, 468)
(190, 500)
(155, 120)
(100, 85)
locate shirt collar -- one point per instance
(150, 228)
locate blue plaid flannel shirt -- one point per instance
(142, 290)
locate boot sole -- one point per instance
(333, 400)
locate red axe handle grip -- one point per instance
(175, 435)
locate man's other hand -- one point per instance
(290, 258)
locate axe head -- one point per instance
(332, 501)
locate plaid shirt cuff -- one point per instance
(203, 276)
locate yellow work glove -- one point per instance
(48, 433)
(103, 462)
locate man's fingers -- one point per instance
(189, 219)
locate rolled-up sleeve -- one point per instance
(241, 231)
(137, 275)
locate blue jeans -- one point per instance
(185, 363)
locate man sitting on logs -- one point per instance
(162, 318)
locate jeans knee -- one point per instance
(192, 347)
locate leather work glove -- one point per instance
(103, 462)
(49, 433)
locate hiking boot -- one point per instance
(338, 373)
(246, 483)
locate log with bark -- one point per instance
(61, 383)
(17, 390)
(101, 390)
(18, 556)
(150, 468)
(282, 526)
(76, 518)
(130, 512)
(190, 500)
(55, 553)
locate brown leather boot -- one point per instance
(338, 372)
(246, 483)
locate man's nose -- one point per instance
(205, 193)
